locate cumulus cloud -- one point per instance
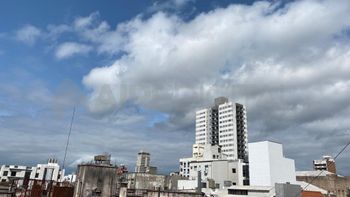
(289, 64)
(68, 49)
(28, 34)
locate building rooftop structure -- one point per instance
(313, 173)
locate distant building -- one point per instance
(15, 172)
(327, 163)
(224, 124)
(143, 163)
(49, 172)
(335, 185)
(267, 164)
(70, 178)
(44, 172)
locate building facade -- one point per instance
(224, 124)
(43, 172)
(334, 184)
(143, 163)
(15, 172)
(327, 163)
(212, 165)
(267, 164)
(98, 178)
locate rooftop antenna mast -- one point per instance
(70, 131)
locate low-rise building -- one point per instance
(15, 172)
(43, 172)
(99, 178)
(278, 190)
(48, 172)
(334, 184)
(213, 165)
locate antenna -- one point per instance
(70, 131)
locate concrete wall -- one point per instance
(92, 178)
(124, 192)
(172, 194)
(219, 170)
(332, 183)
(145, 181)
(187, 184)
(287, 190)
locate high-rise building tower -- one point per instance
(143, 163)
(224, 124)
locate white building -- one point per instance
(268, 166)
(225, 173)
(224, 124)
(50, 171)
(14, 172)
(212, 165)
(184, 169)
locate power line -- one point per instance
(340, 152)
(70, 131)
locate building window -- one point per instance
(3, 180)
(13, 173)
(5, 173)
(246, 182)
(238, 192)
(36, 175)
(233, 170)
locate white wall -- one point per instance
(186, 184)
(218, 170)
(268, 166)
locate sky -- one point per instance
(136, 72)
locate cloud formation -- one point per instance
(289, 64)
(28, 34)
(68, 49)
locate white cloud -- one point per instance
(288, 64)
(68, 49)
(28, 34)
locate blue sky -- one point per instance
(138, 70)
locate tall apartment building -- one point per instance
(224, 124)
